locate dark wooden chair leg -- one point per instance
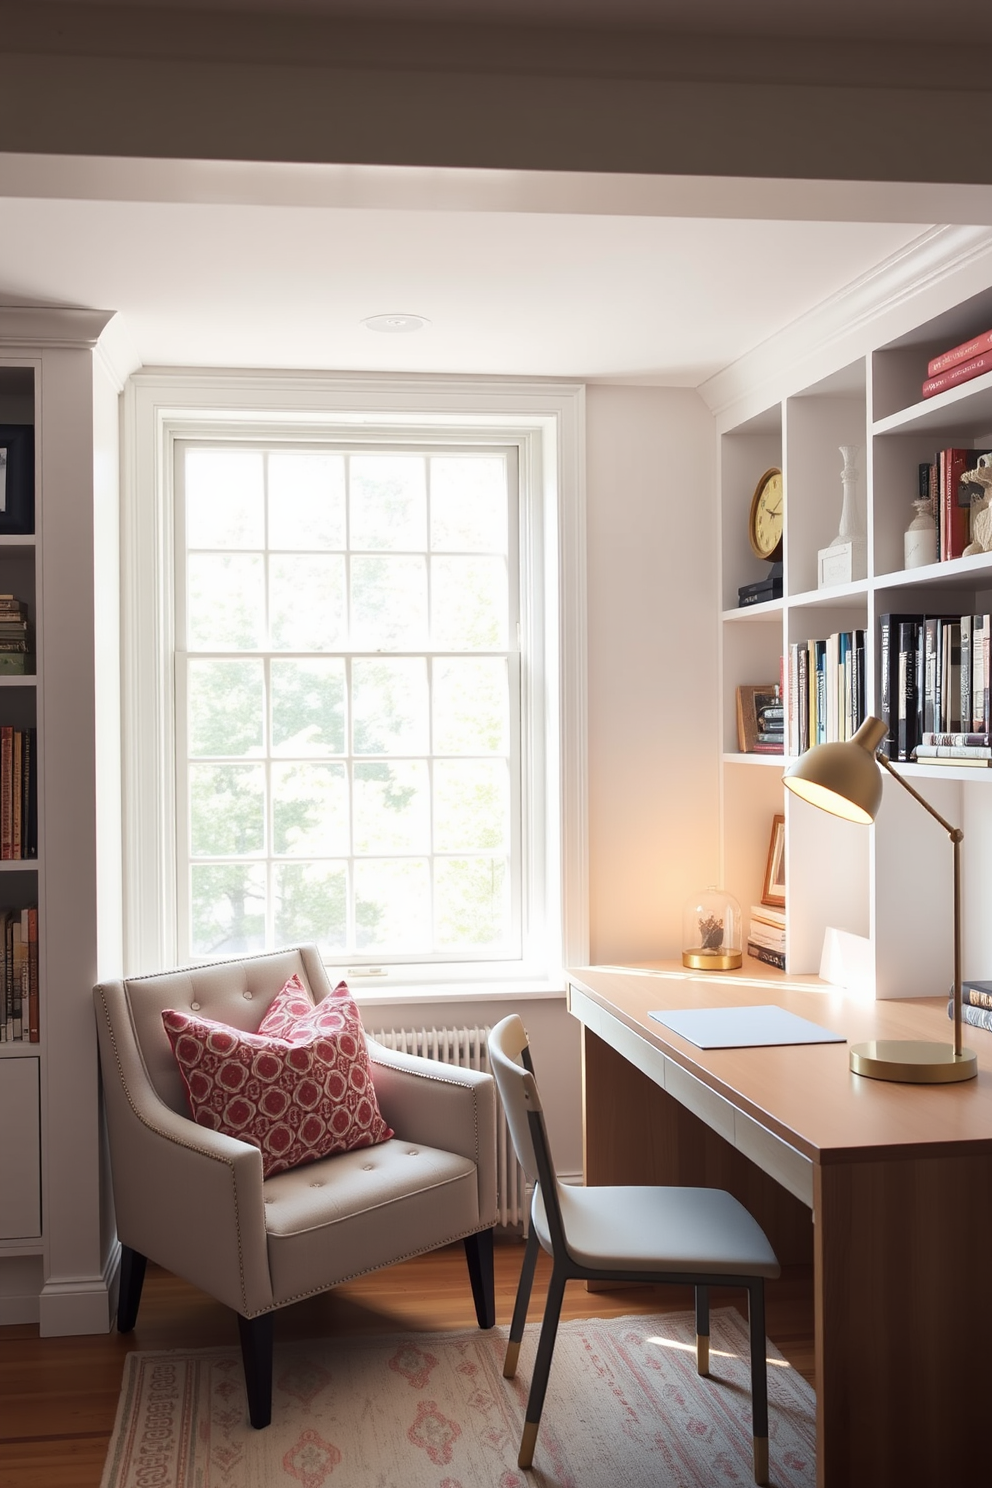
(256, 1355)
(542, 1368)
(759, 1378)
(479, 1254)
(129, 1289)
(702, 1329)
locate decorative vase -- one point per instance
(920, 537)
(846, 559)
(712, 932)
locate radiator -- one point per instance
(467, 1048)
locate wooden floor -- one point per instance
(58, 1396)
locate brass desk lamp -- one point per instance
(844, 780)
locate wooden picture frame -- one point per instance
(760, 719)
(773, 892)
(16, 479)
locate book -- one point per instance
(945, 759)
(907, 693)
(958, 740)
(978, 994)
(34, 1033)
(950, 675)
(767, 936)
(888, 681)
(960, 372)
(768, 914)
(6, 776)
(977, 1017)
(980, 629)
(30, 803)
(954, 751)
(955, 500)
(766, 954)
(963, 352)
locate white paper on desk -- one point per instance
(744, 1027)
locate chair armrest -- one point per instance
(443, 1106)
(186, 1197)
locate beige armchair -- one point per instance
(194, 1200)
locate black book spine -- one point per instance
(767, 955)
(908, 690)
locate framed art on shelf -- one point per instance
(16, 479)
(773, 892)
(760, 719)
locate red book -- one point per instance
(962, 372)
(962, 353)
(955, 519)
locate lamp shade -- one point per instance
(843, 779)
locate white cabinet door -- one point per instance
(20, 1150)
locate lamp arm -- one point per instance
(957, 836)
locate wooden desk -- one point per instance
(897, 1180)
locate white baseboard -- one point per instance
(80, 1304)
(18, 1310)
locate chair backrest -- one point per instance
(511, 1064)
(237, 993)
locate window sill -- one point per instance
(439, 992)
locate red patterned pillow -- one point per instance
(298, 1089)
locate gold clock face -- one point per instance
(767, 516)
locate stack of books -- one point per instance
(13, 636)
(950, 497)
(19, 975)
(954, 749)
(934, 693)
(766, 935)
(959, 364)
(976, 1004)
(826, 690)
(18, 793)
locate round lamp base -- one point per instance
(713, 960)
(913, 1062)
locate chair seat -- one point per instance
(332, 1208)
(678, 1230)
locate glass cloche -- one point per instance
(712, 931)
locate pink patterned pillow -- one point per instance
(298, 1089)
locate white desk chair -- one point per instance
(702, 1236)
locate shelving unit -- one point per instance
(57, 1250)
(21, 1062)
(891, 883)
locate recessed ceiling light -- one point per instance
(396, 325)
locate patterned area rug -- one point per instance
(625, 1409)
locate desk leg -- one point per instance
(903, 1322)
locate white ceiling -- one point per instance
(598, 277)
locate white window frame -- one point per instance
(545, 421)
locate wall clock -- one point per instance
(767, 516)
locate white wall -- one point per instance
(653, 764)
(653, 777)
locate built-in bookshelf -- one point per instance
(889, 884)
(59, 780)
(21, 1050)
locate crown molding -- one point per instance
(44, 326)
(845, 325)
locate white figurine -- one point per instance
(981, 507)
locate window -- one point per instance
(348, 713)
(353, 675)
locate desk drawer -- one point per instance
(778, 1158)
